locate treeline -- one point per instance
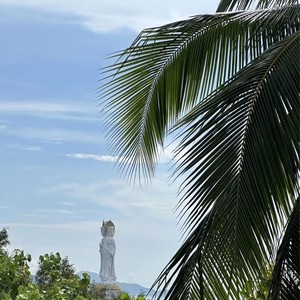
(55, 279)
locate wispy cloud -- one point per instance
(76, 111)
(104, 158)
(74, 226)
(6, 207)
(26, 148)
(53, 135)
(66, 203)
(36, 107)
(166, 156)
(103, 16)
(127, 200)
(59, 211)
(133, 277)
(39, 216)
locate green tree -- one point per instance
(52, 266)
(225, 87)
(56, 279)
(126, 296)
(29, 292)
(14, 272)
(4, 239)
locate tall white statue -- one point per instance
(107, 252)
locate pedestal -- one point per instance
(112, 290)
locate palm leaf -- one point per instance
(241, 165)
(230, 84)
(286, 275)
(169, 69)
(231, 5)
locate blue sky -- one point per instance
(57, 179)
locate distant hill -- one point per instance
(130, 288)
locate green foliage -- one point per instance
(4, 238)
(56, 278)
(52, 267)
(14, 272)
(5, 296)
(126, 296)
(29, 292)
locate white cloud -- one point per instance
(156, 200)
(104, 158)
(6, 207)
(53, 135)
(76, 111)
(132, 278)
(58, 211)
(26, 148)
(66, 203)
(73, 226)
(49, 107)
(104, 15)
(39, 216)
(166, 155)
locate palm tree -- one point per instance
(225, 86)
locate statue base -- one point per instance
(111, 290)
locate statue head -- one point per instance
(108, 228)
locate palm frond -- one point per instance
(241, 163)
(232, 5)
(229, 83)
(286, 275)
(169, 69)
